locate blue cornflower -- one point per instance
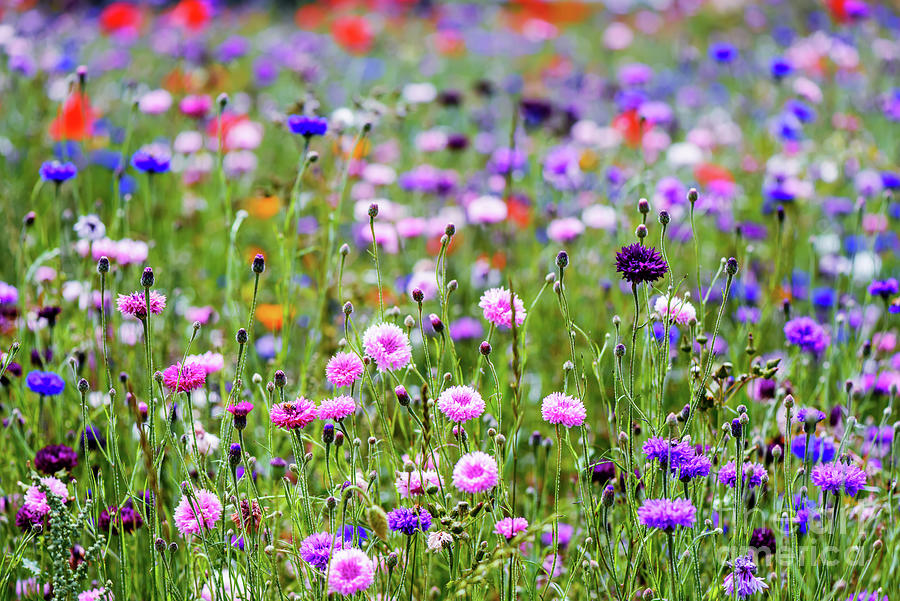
(823, 298)
(801, 110)
(780, 67)
(820, 449)
(407, 521)
(152, 159)
(45, 383)
(361, 534)
(54, 171)
(308, 126)
(694, 467)
(723, 52)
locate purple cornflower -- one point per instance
(867, 596)
(407, 521)
(884, 288)
(667, 514)
(806, 333)
(638, 263)
(809, 413)
(754, 474)
(763, 541)
(695, 467)
(153, 158)
(603, 472)
(834, 477)
(667, 452)
(316, 550)
(742, 578)
(820, 449)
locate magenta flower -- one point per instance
(35, 499)
(559, 408)
(667, 514)
(351, 571)
(344, 369)
(337, 408)
(475, 472)
(510, 527)
(184, 377)
(388, 345)
(461, 403)
(832, 477)
(135, 304)
(497, 306)
(295, 414)
(201, 512)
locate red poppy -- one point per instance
(192, 14)
(706, 173)
(518, 211)
(558, 12)
(353, 33)
(74, 120)
(631, 126)
(120, 17)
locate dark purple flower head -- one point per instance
(638, 264)
(27, 517)
(92, 438)
(603, 472)
(763, 541)
(407, 521)
(127, 521)
(55, 457)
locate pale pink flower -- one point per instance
(497, 307)
(202, 512)
(388, 346)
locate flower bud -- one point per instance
(147, 277)
(103, 265)
(259, 264)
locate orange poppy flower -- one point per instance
(264, 207)
(75, 119)
(270, 316)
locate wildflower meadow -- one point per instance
(417, 300)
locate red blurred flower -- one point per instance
(75, 119)
(120, 17)
(229, 121)
(518, 211)
(631, 126)
(353, 33)
(192, 14)
(706, 173)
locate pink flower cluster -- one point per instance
(135, 304)
(497, 304)
(123, 252)
(291, 415)
(201, 512)
(559, 408)
(184, 377)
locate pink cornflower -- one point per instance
(411, 484)
(337, 408)
(350, 571)
(193, 515)
(510, 527)
(184, 377)
(439, 540)
(498, 308)
(559, 408)
(674, 309)
(36, 500)
(388, 345)
(94, 594)
(210, 362)
(293, 414)
(241, 409)
(565, 230)
(475, 472)
(461, 403)
(344, 369)
(135, 304)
